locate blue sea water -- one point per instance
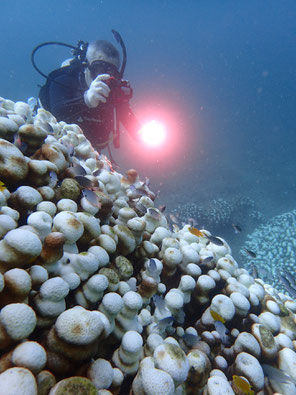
(222, 74)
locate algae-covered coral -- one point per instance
(99, 295)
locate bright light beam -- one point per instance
(153, 133)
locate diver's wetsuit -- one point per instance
(63, 96)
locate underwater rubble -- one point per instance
(100, 295)
(275, 246)
(219, 214)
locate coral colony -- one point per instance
(100, 295)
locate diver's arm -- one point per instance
(129, 121)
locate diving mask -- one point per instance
(98, 67)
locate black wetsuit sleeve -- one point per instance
(129, 121)
(66, 98)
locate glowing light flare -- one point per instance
(153, 133)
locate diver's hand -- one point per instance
(97, 92)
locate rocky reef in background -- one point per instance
(274, 244)
(100, 295)
(219, 215)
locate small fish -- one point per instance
(91, 197)
(277, 374)
(164, 323)
(217, 317)
(137, 192)
(2, 186)
(153, 213)
(78, 170)
(242, 384)
(288, 286)
(214, 240)
(97, 172)
(159, 303)
(84, 181)
(195, 231)
(190, 339)
(70, 147)
(170, 224)
(141, 208)
(208, 259)
(289, 277)
(254, 271)
(222, 330)
(142, 192)
(252, 254)
(46, 126)
(53, 179)
(147, 181)
(237, 228)
(152, 268)
(162, 208)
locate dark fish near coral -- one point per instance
(170, 224)
(237, 228)
(142, 192)
(84, 182)
(277, 374)
(165, 322)
(90, 196)
(222, 330)
(254, 271)
(140, 208)
(214, 240)
(137, 192)
(153, 213)
(208, 259)
(46, 126)
(78, 170)
(290, 278)
(252, 254)
(288, 286)
(97, 172)
(159, 303)
(70, 147)
(190, 339)
(152, 268)
(53, 179)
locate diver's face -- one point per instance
(98, 63)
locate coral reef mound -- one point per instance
(100, 295)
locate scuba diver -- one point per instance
(89, 90)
